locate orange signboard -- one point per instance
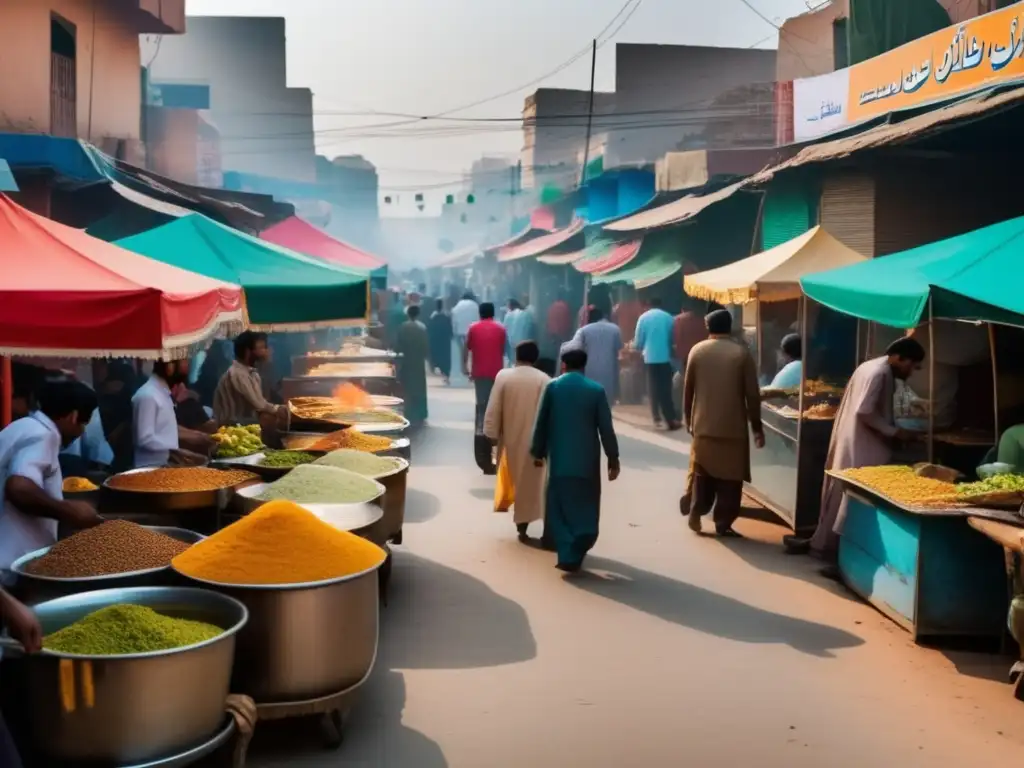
(982, 52)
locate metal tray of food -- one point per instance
(399, 447)
(354, 517)
(251, 463)
(165, 501)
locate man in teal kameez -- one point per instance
(574, 421)
(413, 344)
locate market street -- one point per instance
(673, 650)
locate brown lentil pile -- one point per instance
(179, 479)
(116, 546)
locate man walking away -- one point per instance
(602, 341)
(720, 395)
(574, 422)
(485, 343)
(464, 314)
(864, 435)
(440, 330)
(654, 340)
(413, 345)
(511, 412)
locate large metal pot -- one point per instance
(394, 501)
(142, 707)
(305, 640)
(32, 588)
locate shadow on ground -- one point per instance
(705, 611)
(420, 506)
(436, 618)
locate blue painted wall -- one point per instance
(636, 188)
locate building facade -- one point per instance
(74, 68)
(266, 127)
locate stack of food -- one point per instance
(286, 459)
(343, 438)
(310, 484)
(113, 547)
(179, 480)
(354, 370)
(360, 462)
(126, 629)
(279, 543)
(825, 411)
(333, 409)
(78, 485)
(233, 442)
(903, 485)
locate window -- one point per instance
(63, 76)
(840, 44)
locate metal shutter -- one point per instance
(848, 209)
(787, 214)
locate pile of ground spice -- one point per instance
(116, 546)
(179, 479)
(360, 462)
(121, 629)
(279, 543)
(311, 484)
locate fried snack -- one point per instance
(902, 484)
(821, 411)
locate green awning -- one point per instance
(968, 277)
(644, 271)
(283, 290)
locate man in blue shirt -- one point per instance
(654, 340)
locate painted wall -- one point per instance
(636, 188)
(266, 127)
(108, 80)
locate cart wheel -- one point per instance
(397, 538)
(334, 729)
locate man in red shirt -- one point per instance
(485, 342)
(559, 325)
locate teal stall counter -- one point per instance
(927, 570)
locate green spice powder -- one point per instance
(120, 629)
(286, 459)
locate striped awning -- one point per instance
(618, 256)
(540, 245)
(643, 272)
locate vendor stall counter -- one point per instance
(786, 475)
(924, 569)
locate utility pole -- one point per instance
(590, 113)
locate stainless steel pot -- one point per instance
(161, 501)
(394, 501)
(33, 588)
(305, 640)
(118, 710)
(246, 500)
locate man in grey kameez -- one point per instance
(602, 341)
(864, 435)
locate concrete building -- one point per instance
(678, 97)
(814, 43)
(72, 67)
(351, 185)
(555, 132)
(266, 127)
(182, 143)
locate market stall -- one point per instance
(787, 474)
(899, 556)
(284, 290)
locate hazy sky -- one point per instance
(427, 56)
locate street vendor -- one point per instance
(156, 435)
(240, 398)
(864, 435)
(33, 502)
(790, 364)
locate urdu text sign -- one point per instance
(955, 61)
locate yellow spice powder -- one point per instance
(279, 543)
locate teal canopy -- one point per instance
(283, 290)
(968, 277)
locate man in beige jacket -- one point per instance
(720, 396)
(508, 421)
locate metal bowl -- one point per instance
(305, 640)
(144, 706)
(383, 428)
(164, 501)
(251, 463)
(33, 588)
(395, 483)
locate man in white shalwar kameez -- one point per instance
(511, 412)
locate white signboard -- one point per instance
(820, 104)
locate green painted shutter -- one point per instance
(788, 213)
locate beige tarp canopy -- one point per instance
(772, 275)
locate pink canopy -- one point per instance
(299, 235)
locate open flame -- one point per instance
(352, 398)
